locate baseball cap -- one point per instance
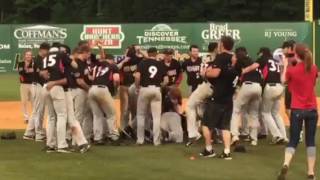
(152, 50)
(168, 51)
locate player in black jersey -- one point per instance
(192, 67)
(53, 65)
(82, 109)
(35, 129)
(223, 75)
(149, 77)
(248, 98)
(127, 68)
(272, 93)
(101, 101)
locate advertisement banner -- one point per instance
(115, 38)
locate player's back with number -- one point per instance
(152, 72)
(54, 63)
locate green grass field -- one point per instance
(10, 89)
(24, 160)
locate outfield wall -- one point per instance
(116, 37)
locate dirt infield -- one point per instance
(11, 116)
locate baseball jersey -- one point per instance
(169, 104)
(252, 76)
(37, 66)
(225, 84)
(54, 63)
(193, 72)
(103, 74)
(270, 69)
(82, 71)
(152, 72)
(25, 77)
(127, 71)
(173, 70)
(69, 72)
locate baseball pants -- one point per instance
(35, 124)
(249, 97)
(102, 103)
(149, 97)
(57, 121)
(171, 123)
(83, 112)
(195, 106)
(25, 96)
(76, 130)
(271, 110)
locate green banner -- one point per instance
(116, 37)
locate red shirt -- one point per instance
(302, 86)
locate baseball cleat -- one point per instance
(25, 137)
(277, 141)
(206, 153)
(49, 149)
(64, 150)
(225, 156)
(283, 173)
(254, 143)
(193, 140)
(311, 177)
(84, 148)
(41, 139)
(99, 142)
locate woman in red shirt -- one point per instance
(301, 80)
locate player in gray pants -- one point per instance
(249, 96)
(148, 78)
(171, 126)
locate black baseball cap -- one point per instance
(152, 50)
(168, 51)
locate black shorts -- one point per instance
(287, 98)
(217, 115)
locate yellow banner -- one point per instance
(308, 10)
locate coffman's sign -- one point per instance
(33, 36)
(110, 36)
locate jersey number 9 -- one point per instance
(153, 71)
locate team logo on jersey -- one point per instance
(110, 36)
(284, 34)
(216, 31)
(33, 36)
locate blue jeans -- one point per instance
(310, 119)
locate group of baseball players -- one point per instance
(230, 96)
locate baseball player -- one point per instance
(35, 125)
(249, 96)
(223, 75)
(195, 104)
(82, 109)
(148, 78)
(25, 70)
(171, 125)
(74, 125)
(173, 68)
(192, 67)
(127, 68)
(271, 95)
(53, 71)
(101, 101)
